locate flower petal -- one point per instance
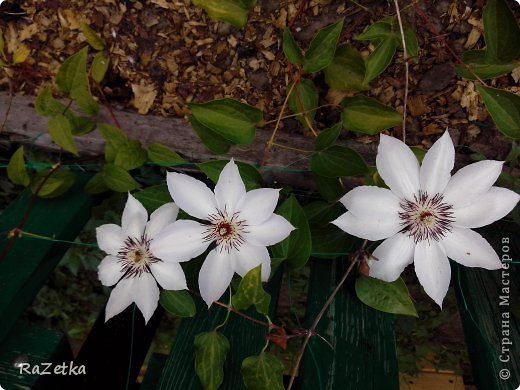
(134, 217)
(470, 249)
(215, 275)
(109, 271)
(486, 209)
(230, 188)
(369, 229)
(471, 181)
(145, 294)
(191, 195)
(110, 238)
(259, 205)
(398, 167)
(372, 203)
(393, 255)
(433, 269)
(120, 298)
(180, 241)
(161, 218)
(170, 276)
(249, 256)
(437, 165)
(270, 232)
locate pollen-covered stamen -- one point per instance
(226, 230)
(426, 217)
(135, 256)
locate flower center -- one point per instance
(135, 256)
(426, 217)
(226, 230)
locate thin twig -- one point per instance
(310, 332)
(406, 67)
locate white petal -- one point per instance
(215, 275)
(170, 276)
(230, 188)
(272, 231)
(180, 241)
(145, 294)
(250, 256)
(110, 238)
(259, 205)
(470, 249)
(372, 203)
(109, 271)
(134, 217)
(191, 195)
(393, 255)
(433, 269)
(120, 298)
(398, 167)
(437, 165)
(373, 230)
(161, 218)
(471, 181)
(486, 209)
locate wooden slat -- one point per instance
(29, 261)
(245, 338)
(486, 326)
(363, 356)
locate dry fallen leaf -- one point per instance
(144, 96)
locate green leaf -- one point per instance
(215, 143)
(117, 179)
(322, 48)
(153, 197)
(72, 79)
(504, 108)
(321, 213)
(290, 48)
(329, 242)
(386, 297)
(99, 66)
(178, 303)
(211, 349)
(16, 170)
(263, 372)
(376, 31)
(380, 58)
(232, 12)
(250, 292)
(92, 37)
(295, 249)
(115, 139)
(96, 185)
(231, 119)
(20, 54)
(327, 137)
(61, 133)
(131, 155)
(338, 161)
(501, 32)
(249, 174)
(412, 44)
(346, 72)
(79, 124)
(163, 155)
(478, 62)
(54, 185)
(367, 115)
(304, 98)
(46, 105)
(330, 189)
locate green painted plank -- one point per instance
(491, 328)
(34, 346)
(363, 354)
(245, 338)
(29, 261)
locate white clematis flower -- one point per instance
(426, 215)
(132, 264)
(241, 224)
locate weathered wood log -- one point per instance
(25, 126)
